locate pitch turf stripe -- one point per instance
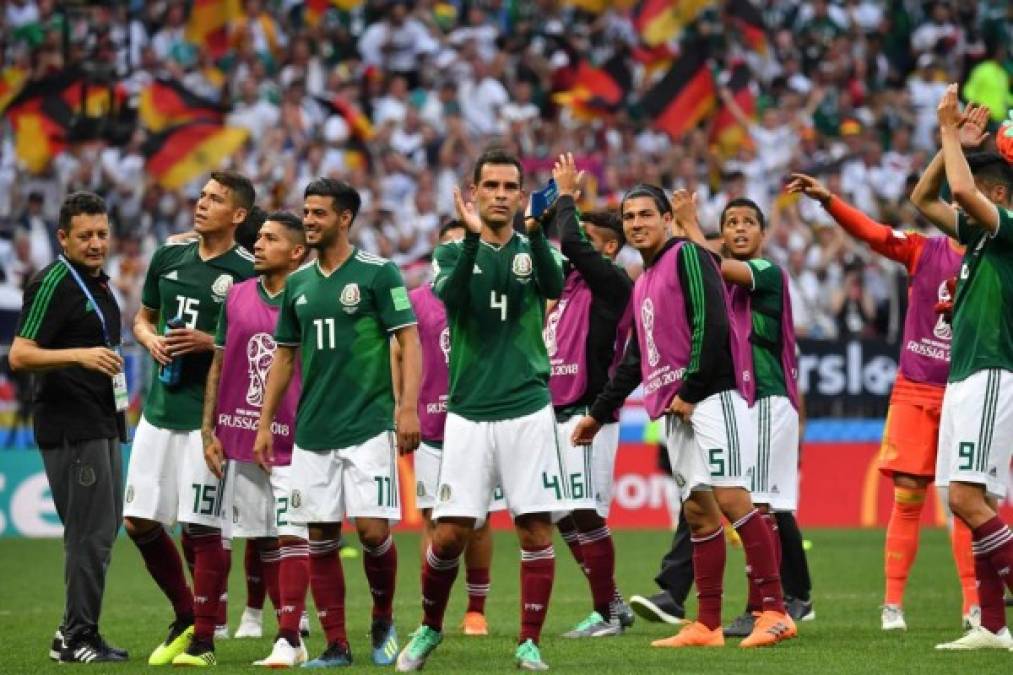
(43, 298)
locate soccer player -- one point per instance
(234, 392)
(585, 335)
(977, 417)
(500, 425)
(168, 480)
(761, 306)
(340, 312)
(911, 436)
(434, 335)
(695, 371)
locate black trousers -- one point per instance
(86, 479)
(676, 575)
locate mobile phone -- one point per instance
(542, 199)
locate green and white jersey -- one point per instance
(342, 324)
(983, 306)
(180, 284)
(766, 299)
(495, 299)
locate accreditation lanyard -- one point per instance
(120, 394)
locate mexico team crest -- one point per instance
(522, 265)
(221, 286)
(350, 297)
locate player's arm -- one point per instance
(548, 271)
(395, 369)
(958, 174)
(398, 318)
(603, 277)
(706, 314)
(214, 454)
(620, 385)
(407, 388)
(925, 196)
(146, 319)
(684, 209)
(454, 264)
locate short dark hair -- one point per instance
(343, 196)
(496, 155)
(246, 233)
(240, 187)
(607, 220)
(991, 167)
(452, 224)
(747, 203)
(290, 222)
(79, 203)
(648, 190)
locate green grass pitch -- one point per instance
(844, 638)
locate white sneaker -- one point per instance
(972, 618)
(251, 623)
(893, 618)
(284, 655)
(981, 638)
(304, 624)
(222, 632)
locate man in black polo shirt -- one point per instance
(69, 331)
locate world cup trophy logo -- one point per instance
(259, 355)
(445, 344)
(549, 334)
(647, 318)
(942, 329)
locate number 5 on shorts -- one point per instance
(717, 462)
(966, 453)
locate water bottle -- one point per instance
(170, 374)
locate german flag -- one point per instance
(44, 111)
(684, 96)
(208, 24)
(658, 21)
(166, 103)
(360, 125)
(598, 91)
(599, 6)
(744, 15)
(11, 81)
(726, 133)
(315, 10)
(179, 154)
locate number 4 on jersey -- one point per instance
(498, 301)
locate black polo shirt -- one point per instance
(73, 404)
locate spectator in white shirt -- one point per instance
(398, 43)
(252, 111)
(482, 98)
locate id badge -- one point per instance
(120, 394)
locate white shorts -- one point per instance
(589, 468)
(976, 431)
(256, 504)
(521, 455)
(359, 481)
(427, 474)
(717, 448)
(775, 480)
(168, 480)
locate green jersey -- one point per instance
(766, 297)
(181, 284)
(342, 323)
(495, 299)
(983, 306)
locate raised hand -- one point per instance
(684, 207)
(948, 111)
(567, 178)
(809, 186)
(973, 124)
(467, 213)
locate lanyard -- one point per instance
(87, 293)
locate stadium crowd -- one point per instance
(844, 90)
